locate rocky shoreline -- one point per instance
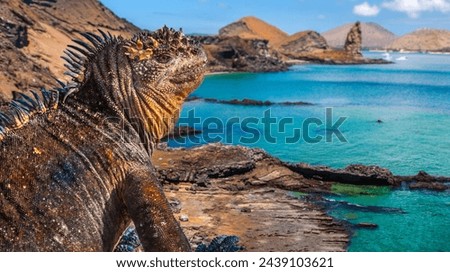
(233, 190)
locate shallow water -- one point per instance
(422, 226)
(411, 98)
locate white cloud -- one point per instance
(365, 9)
(414, 7)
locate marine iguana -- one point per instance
(75, 160)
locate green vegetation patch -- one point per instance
(350, 189)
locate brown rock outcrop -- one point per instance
(354, 41)
(302, 42)
(232, 54)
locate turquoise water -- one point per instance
(411, 98)
(422, 226)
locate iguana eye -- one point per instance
(164, 58)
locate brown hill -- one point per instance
(253, 28)
(302, 42)
(374, 36)
(423, 40)
(35, 33)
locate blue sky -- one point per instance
(207, 16)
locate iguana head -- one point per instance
(143, 80)
(166, 61)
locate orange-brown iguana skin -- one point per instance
(75, 163)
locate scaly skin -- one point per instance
(75, 173)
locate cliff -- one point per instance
(375, 36)
(427, 40)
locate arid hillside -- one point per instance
(423, 40)
(253, 28)
(35, 33)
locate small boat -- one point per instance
(401, 58)
(387, 56)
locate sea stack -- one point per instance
(354, 41)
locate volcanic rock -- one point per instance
(354, 41)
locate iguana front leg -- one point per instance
(149, 209)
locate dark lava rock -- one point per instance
(249, 102)
(425, 181)
(223, 243)
(129, 241)
(364, 225)
(352, 174)
(433, 186)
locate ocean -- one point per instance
(395, 116)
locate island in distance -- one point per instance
(253, 45)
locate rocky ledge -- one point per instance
(228, 190)
(232, 190)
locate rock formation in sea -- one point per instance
(354, 41)
(350, 54)
(375, 36)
